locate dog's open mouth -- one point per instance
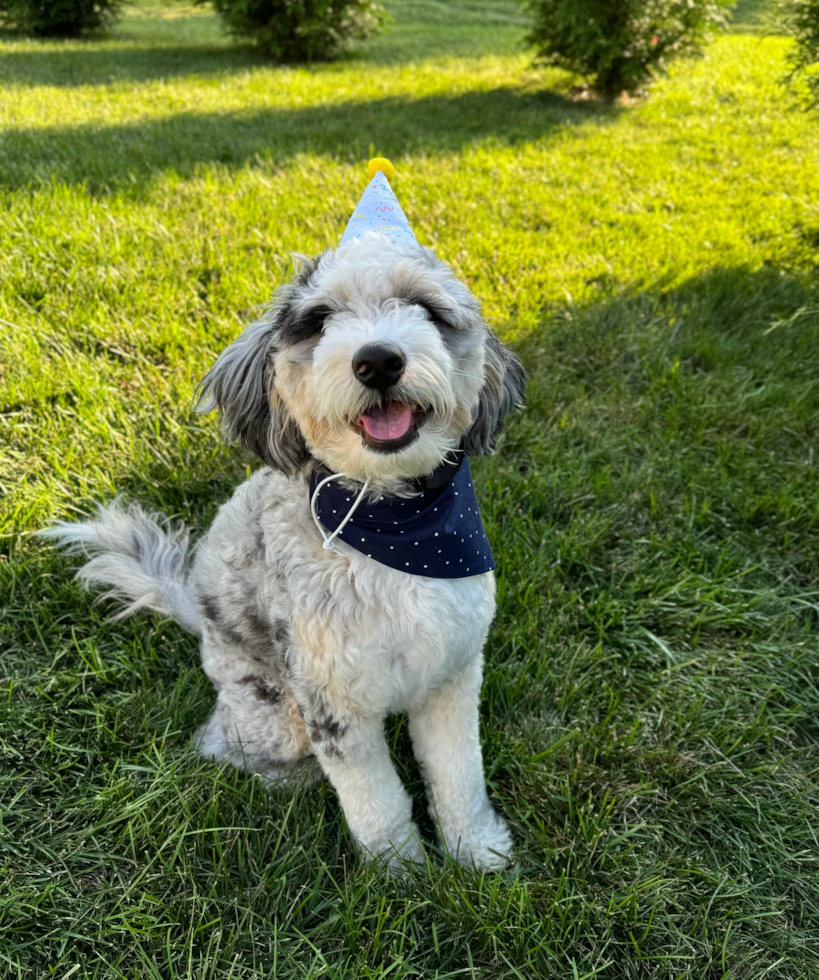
(390, 425)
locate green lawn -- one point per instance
(651, 706)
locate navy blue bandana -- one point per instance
(438, 533)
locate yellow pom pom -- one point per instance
(380, 163)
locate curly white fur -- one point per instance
(308, 649)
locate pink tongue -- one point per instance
(390, 422)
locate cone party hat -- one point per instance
(379, 210)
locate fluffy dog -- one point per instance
(373, 364)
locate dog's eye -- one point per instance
(434, 314)
(313, 320)
(297, 325)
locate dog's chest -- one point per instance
(366, 635)
(381, 639)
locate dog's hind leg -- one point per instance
(256, 726)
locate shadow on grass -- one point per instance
(110, 158)
(736, 321)
(685, 416)
(76, 64)
(149, 49)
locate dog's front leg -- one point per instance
(356, 759)
(446, 738)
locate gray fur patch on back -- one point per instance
(246, 627)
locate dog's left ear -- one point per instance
(504, 389)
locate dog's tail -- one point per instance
(139, 555)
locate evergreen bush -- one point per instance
(57, 18)
(618, 44)
(802, 19)
(299, 30)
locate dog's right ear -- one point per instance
(241, 385)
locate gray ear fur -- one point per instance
(504, 389)
(240, 385)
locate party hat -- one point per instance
(379, 210)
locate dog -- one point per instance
(366, 383)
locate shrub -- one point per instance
(57, 18)
(618, 44)
(299, 30)
(802, 19)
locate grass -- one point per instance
(651, 706)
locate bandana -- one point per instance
(438, 533)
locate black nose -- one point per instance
(379, 365)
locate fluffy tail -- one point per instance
(139, 555)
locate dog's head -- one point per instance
(375, 361)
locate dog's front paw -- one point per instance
(395, 849)
(486, 846)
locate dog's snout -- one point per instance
(379, 365)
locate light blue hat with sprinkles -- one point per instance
(379, 210)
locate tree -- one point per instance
(300, 30)
(802, 19)
(57, 18)
(618, 44)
